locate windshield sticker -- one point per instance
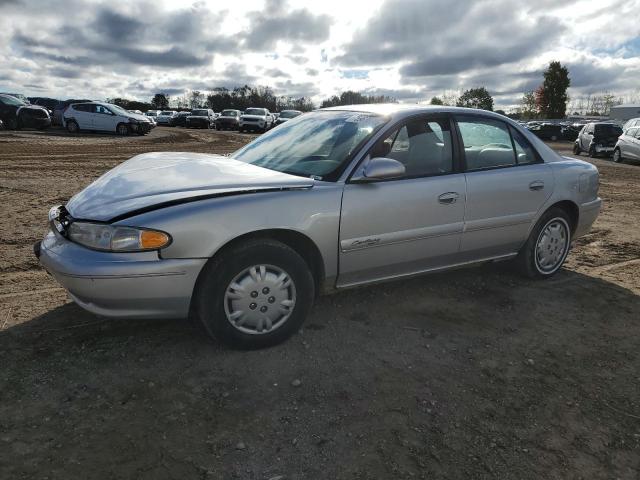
(358, 118)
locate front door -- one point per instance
(507, 185)
(104, 119)
(407, 225)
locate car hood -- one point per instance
(140, 118)
(152, 180)
(254, 117)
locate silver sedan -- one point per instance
(336, 198)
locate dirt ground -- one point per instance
(473, 374)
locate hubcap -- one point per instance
(552, 246)
(260, 299)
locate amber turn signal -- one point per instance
(150, 239)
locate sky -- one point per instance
(409, 49)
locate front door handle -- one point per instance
(448, 198)
(537, 185)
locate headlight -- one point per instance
(116, 238)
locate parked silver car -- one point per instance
(628, 145)
(336, 198)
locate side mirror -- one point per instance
(380, 168)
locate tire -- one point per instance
(549, 240)
(216, 302)
(72, 126)
(12, 124)
(617, 156)
(592, 152)
(576, 149)
(122, 129)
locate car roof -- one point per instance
(399, 110)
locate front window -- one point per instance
(423, 145)
(199, 113)
(313, 145)
(255, 111)
(229, 113)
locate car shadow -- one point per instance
(452, 357)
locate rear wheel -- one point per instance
(72, 126)
(617, 156)
(254, 295)
(548, 245)
(592, 151)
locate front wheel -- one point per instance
(254, 295)
(592, 152)
(547, 246)
(617, 156)
(122, 129)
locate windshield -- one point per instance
(117, 109)
(289, 114)
(199, 113)
(254, 111)
(228, 113)
(9, 100)
(608, 130)
(151, 114)
(312, 145)
(166, 113)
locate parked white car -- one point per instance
(164, 117)
(255, 119)
(104, 117)
(628, 145)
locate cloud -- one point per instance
(276, 23)
(408, 49)
(422, 35)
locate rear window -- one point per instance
(200, 113)
(608, 130)
(229, 113)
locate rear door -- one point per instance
(82, 115)
(507, 184)
(411, 224)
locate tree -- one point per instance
(196, 99)
(436, 101)
(476, 98)
(528, 105)
(552, 101)
(355, 98)
(160, 101)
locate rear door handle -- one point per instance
(448, 198)
(537, 185)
